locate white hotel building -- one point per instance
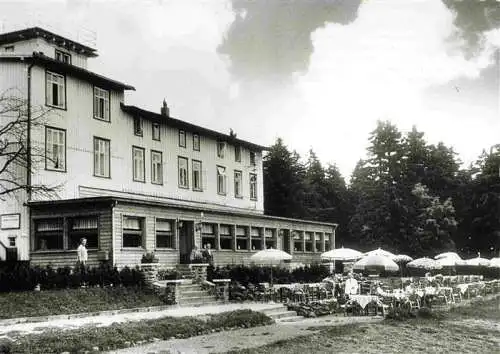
(130, 180)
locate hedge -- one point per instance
(21, 276)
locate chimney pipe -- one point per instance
(165, 111)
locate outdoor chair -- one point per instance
(442, 297)
(386, 303)
(456, 295)
(414, 302)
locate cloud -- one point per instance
(271, 39)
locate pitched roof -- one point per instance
(174, 122)
(37, 32)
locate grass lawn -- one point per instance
(126, 334)
(56, 302)
(463, 330)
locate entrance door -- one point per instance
(186, 240)
(286, 240)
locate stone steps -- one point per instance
(281, 314)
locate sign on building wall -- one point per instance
(10, 221)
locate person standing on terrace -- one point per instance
(351, 285)
(81, 253)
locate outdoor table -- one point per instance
(364, 300)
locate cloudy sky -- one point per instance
(318, 73)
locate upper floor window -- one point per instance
(133, 229)
(197, 181)
(221, 180)
(156, 131)
(101, 104)
(156, 167)
(8, 49)
(138, 162)
(237, 153)
(55, 90)
(63, 57)
(221, 149)
(237, 184)
(196, 142)
(101, 157)
(183, 172)
(252, 158)
(253, 186)
(55, 149)
(182, 138)
(138, 126)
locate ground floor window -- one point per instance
(226, 238)
(133, 230)
(241, 238)
(319, 242)
(83, 227)
(309, 241)
(49, 234)
(208, 235)
(270, 239)
(298, 244)
(256, 238)
(327, 241)
(164, 233)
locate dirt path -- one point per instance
(245, 338)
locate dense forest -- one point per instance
(407, 196)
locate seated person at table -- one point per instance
(351, 285)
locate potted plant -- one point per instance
(149, 257)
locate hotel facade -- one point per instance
(129, 180)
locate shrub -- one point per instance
(400, 313)
(149, 257)
(169, 274)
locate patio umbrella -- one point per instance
(448, 255)
(341, 254)
(380, 252)
(424, 263)
(270, 256)
(478, 261)
(402, 258)
(450, 261)
(376, 262)
(495, 262)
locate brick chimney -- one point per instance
(165, 111)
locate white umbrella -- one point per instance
(380, 252)
(402, 258)
(448, 255)
(450, 261)
(478, 261)
(424, 263)
(495, 262)
(270, 256)
(341, 254)
(376, 261)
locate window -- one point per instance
(156, 167)
(183, 172)
(252, 158)
(101, 157)
(226, 238)
(55, 149)
(309, 241)
(253, 186)
(319, 243)
(182, 138)
(138, 126)
(237, 153)
(298, 244)
(327, 241)
(49, 234)
(241, 238)
(221, 180)
(83, 227)
(8, 49)
(164, 233)
(101, 104)
(132, 231)
(221, 149)
(270, 240)
(256, 238)
(208, 235)
(156, 131)
(196, 142)
(55, 92)
(237, 184)
(138, 162)
(12, 241)
(63, 57)
(197, 181)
